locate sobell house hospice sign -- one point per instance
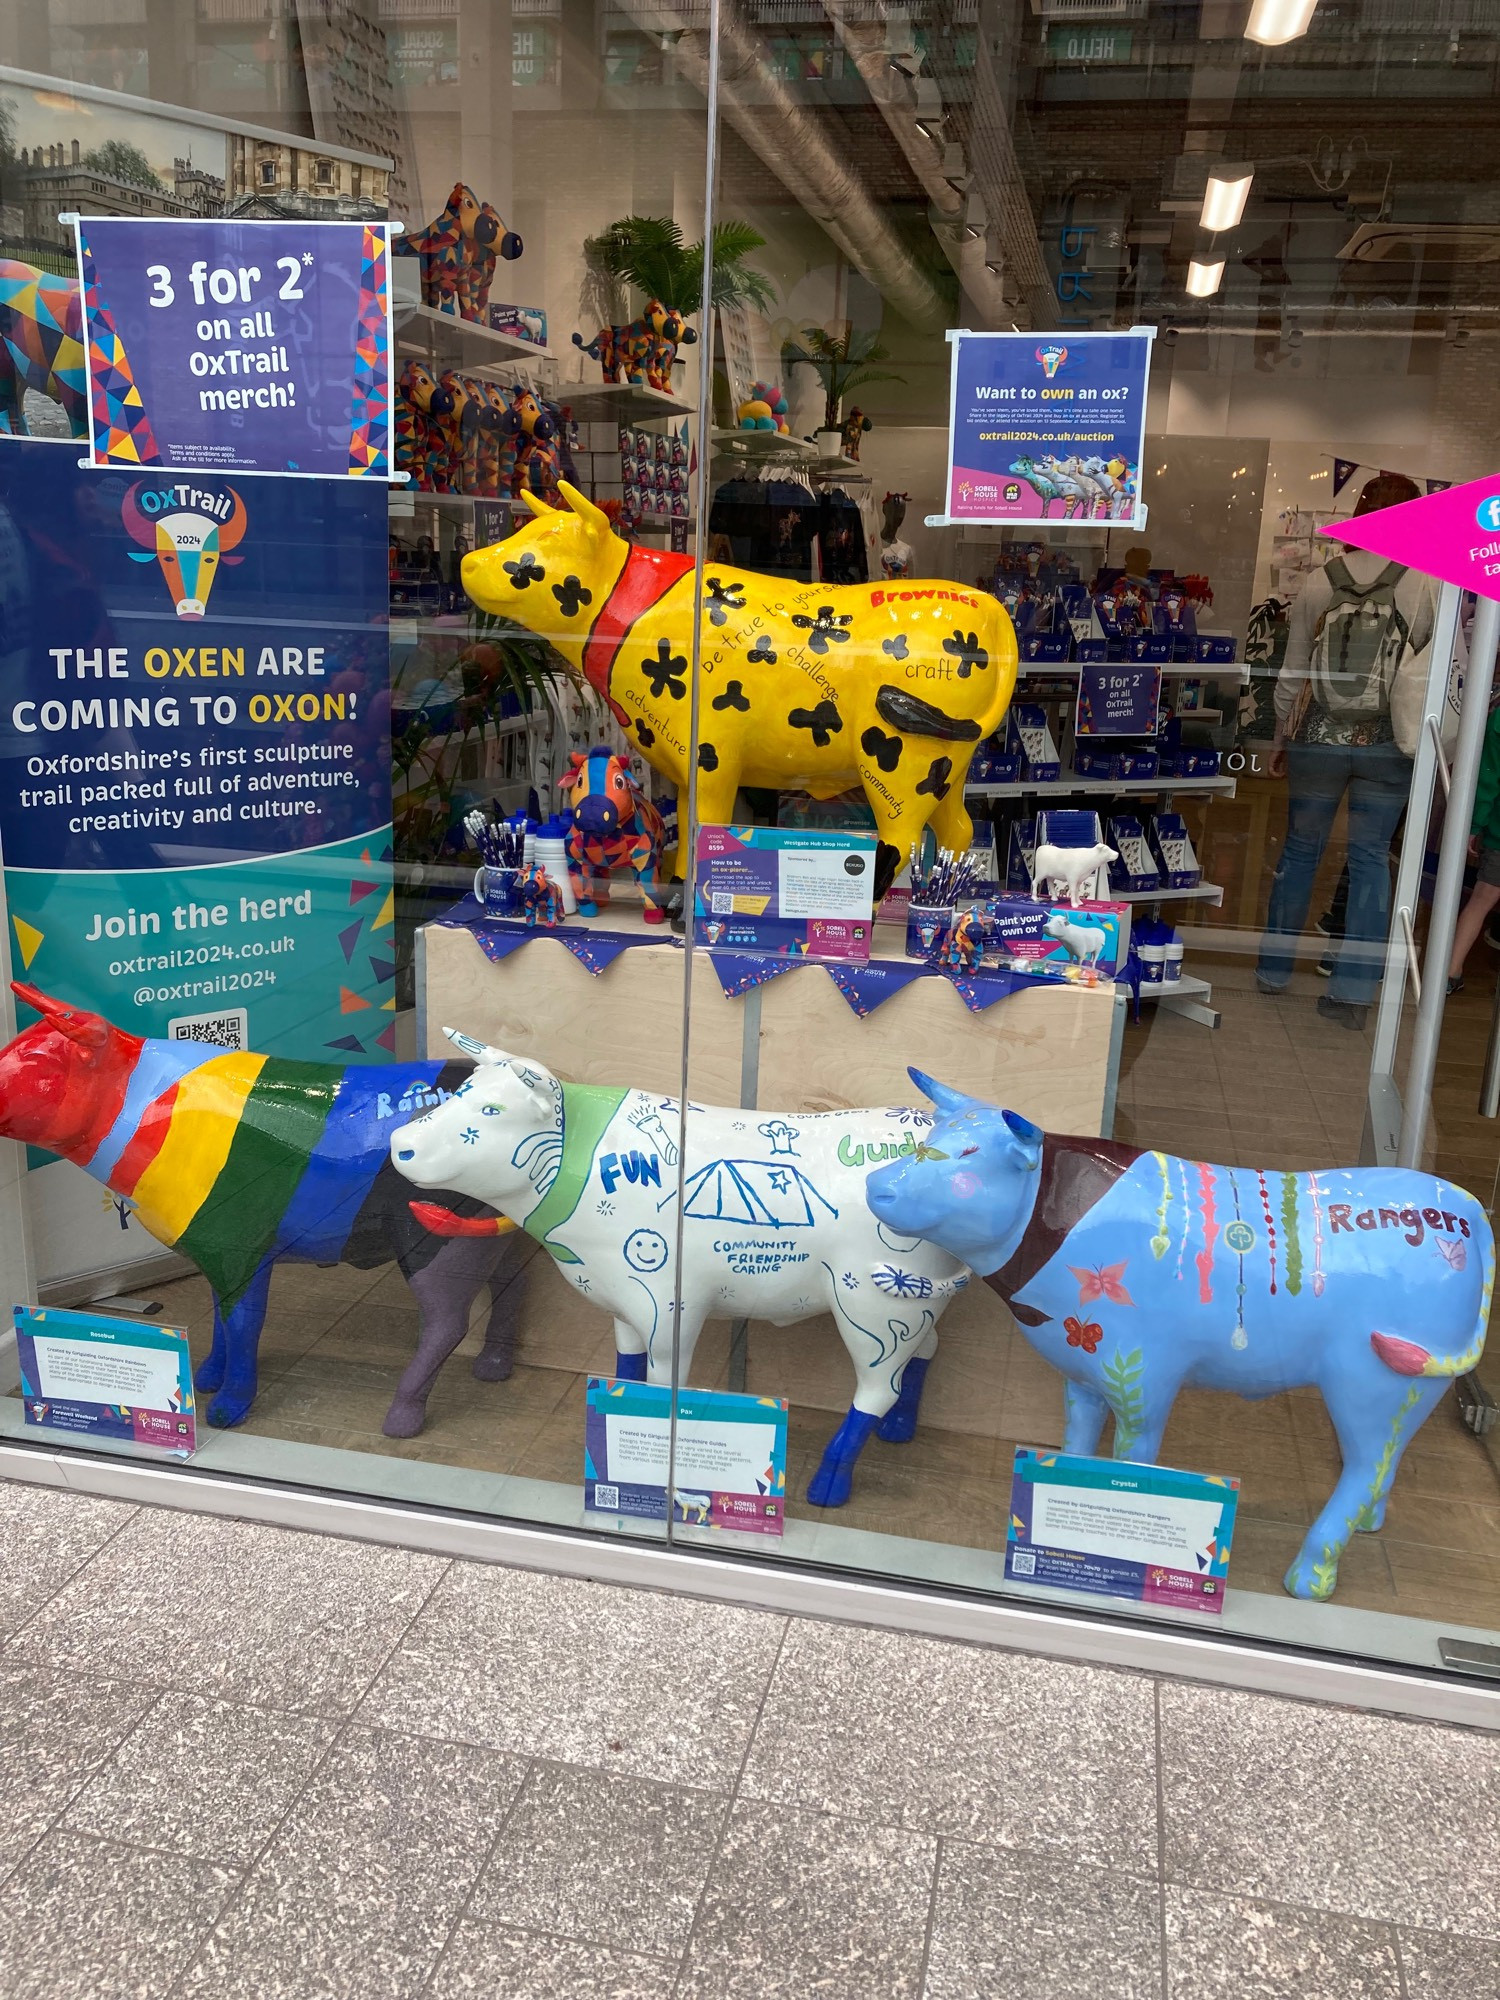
(245, 347)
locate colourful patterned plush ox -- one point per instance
(458, 253)
(1138, 1274)
(645, 350)
(810, 686)
(421, 446)
(238, 1160)
(41, 345)
(614, 825)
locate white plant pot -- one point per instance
(830, 443)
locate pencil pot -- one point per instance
(926, 927)
(495, 888)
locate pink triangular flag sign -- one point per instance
(1454, 535)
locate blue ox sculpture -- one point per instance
(1137, 1274)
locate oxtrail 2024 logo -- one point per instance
(1052, 357)
(187, 531)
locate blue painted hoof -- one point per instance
(831, 1484)
(630, 1367)
(589, 909)
(899, 1424)
(210, 1376)
(224, 1412)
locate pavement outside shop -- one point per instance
(239, 1760)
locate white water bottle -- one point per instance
(552, 854)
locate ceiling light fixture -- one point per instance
(1273, 22)
(1203, 280)
(1225, 196)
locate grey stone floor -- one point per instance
(241, 1763)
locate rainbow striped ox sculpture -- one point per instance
(1137, 1274)
(238, 1160)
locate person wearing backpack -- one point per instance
(1354, 622)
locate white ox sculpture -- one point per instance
(1076, 869)
(775, 1225)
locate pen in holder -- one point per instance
(500, 847)
(937, 886)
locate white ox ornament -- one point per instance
(775, 1225)
(1076, 869)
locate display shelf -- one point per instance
(1060, 787)
(472, 345)
(422, 498)
(765, 445)
(1211, 893)
(1188, 996)
(432, 628)
(1068, 670)
(632, 402)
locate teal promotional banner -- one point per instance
(195, 796)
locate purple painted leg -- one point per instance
(445, 1290)
(830, 1485)
(630, 1367)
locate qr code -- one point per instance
(607, 1498)
(1023, 1562)
(230, 1030)
(722, 903)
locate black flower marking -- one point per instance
(936, 780)
(645, 732)
(570, 594)
(734, 696)
(886, 750)
(895, 647)
(667, 673)
(524, 570)
(966, 649)
(708, 757)
(760, 653)
(824, 721)
(723, 598)
(824, 628)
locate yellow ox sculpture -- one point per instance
(812, 687)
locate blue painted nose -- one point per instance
(406, 1154)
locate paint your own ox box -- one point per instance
(802, 891)
(1087, 945)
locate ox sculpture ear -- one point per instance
(1025, 1138)
(480, 1051)
(594, 519)
(88, 1030)
(538, 507)
(947, 1100)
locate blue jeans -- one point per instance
(1376, 777)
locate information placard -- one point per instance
(785, 889)
(239, 347)
(1047, 428)
(96, 1376)
(1111, 1528)
(730, 1464)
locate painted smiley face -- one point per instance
(965, 1185)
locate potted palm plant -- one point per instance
(648, 251)
(842, 362)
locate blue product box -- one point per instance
(1027, 733)
(1216, 649)
(1138, 762)
(1019, 852)
(1054, 941)
(1173, 849)
(527, 323)
(1137, 868)
(1095, 760)
(1049, 648)
(1152, 648)
(1091, 652)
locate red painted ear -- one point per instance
(86, 1029)
(443, 1222)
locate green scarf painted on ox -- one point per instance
(588, 1109)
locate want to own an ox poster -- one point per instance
(727, 1470)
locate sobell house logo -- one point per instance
(1052, 358)
(187, 532)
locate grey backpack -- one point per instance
(1359, 643)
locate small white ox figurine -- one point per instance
(1054, 869)
(775, 1223)
(1081, 941)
